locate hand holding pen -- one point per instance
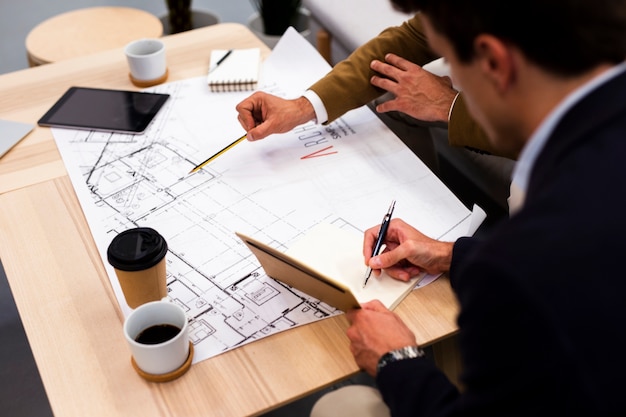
(379, 245)
(408, 252)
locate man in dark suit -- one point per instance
(542, 313)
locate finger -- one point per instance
(389, 105)
(380, 261)
(388, 259)
(242, 121)
(396, 272)
(261, 131)
(352, 314)
(369, 237)
(246, 119)
(386, 69)
(386, 84)
(374, 305)
(398, 61)
(402, 273)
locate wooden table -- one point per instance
(87, 31)
(64, 297)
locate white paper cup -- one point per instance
(166, 356)
(147, 63)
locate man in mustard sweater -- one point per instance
(391, 62)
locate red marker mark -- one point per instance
(317, 153)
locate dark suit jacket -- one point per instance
(543, 311)
(348, 85)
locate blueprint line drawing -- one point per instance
(274, 190)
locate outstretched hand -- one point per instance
(263, 114)
(418, 93)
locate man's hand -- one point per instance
(374, 331)
(408, 252)
(417, 92)
(263, 114)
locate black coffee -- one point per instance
(157, 334)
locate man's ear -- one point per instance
(496, 60)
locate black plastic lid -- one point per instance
(136, 249)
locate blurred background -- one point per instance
(17, 18)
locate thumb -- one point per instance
(385, 260)
(258, 132)
(374, 305)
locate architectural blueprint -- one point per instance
(274, 189)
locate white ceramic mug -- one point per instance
(167, 355)
(146, 60)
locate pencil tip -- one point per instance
(186, 175)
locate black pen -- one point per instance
(381, 238)
(219, 61)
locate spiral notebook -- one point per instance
(234, 70)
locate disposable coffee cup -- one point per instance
(146, 61)
(138, 258)
(158, 336)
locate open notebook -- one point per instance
(327, 263)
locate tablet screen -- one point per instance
(106, 110)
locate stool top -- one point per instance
(86, 31)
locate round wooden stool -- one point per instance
(87, 31)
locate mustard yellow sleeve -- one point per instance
(464, 131)
(347, 86)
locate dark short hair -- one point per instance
(566, 37)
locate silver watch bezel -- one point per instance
(407, 352)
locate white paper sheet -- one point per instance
(274, 189)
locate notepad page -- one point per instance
(338, 254)
(239, 71)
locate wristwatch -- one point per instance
(408, 352)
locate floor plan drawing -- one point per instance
(274, 190)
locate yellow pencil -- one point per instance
(212, 157)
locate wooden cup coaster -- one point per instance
(149, 83)
(168, 376)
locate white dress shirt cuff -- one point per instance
(452, 105)
(321, 115)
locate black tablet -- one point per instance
(105, 110)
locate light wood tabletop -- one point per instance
(69, 310)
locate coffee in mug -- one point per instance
(158, 336)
